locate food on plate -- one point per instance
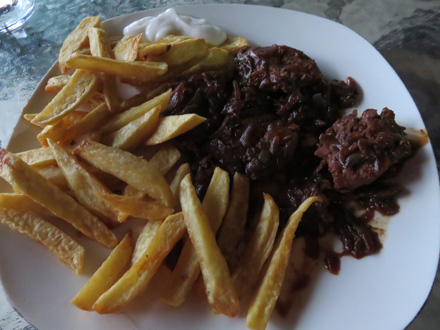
(206, 110)
(106, 275)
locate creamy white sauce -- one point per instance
(170, 23)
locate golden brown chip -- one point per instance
(127, 48)
(67, 250)
(55, 84)
(77, 40)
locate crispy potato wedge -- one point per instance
(37, 157)
(56, 132)
(144, 239)
(233, 227)
(139, 275)
(127, 48)
(77, 91)
(218, 283)
(137, 208)
(26, 180)
(56, 84)
(172, 126)
(128, 116)
(187, 269)
(87, 125)
(245, 276)
(216, 59)
(127, 167)
(77, 40)
(141, 72)
(106, 275)
(84, 185)
(264, 301)
(136, 132)
(67, 250)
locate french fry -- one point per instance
(141, 72)
(177, 53)
(219, 287)
(217, 58)
(137, 208)
(54, 175)
(128, 116)
(55, 132)
(77, 91)
(172, 126)
(135, 171)
(139, 275)
(22, 203)
(89, 123)
(264, 301)
(26, 180)
(158, 47)
(144, 239)
(187, 268)
(106, 275)
(127, 48)
(257, 251)
(136, 132)
(62, 245)
(181, 172)
(84, 185)
(37, 157)
(232, 44)
(100, 46)
(233, 227)
(77, 40)
(55, 84)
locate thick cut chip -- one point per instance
(263, 302)
(177, 53)
(127, 48)
(38, 157)
(77, 91)
(23, 203)
(218, 283)
(233, 228)
(257, 251)
(128, 116)
(139, 275)
(233, 44)
(216, 59)
(84, 185)
(187, 269)
(136, 132)
(26, 180)
(144, 240)
(136, 207)
(181, 172)
(88, 124)
(172, 126)
(53, 174)
(100, 46)
(127, 167)
(55, 84)
(138, 71)
(56, 132)
(67, 250)
(77, 40)
(107, 274)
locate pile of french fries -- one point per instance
(105, 160)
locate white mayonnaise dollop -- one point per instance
(171, 23)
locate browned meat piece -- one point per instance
(360, 150)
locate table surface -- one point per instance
(406, 33)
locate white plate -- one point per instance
(380, 292)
